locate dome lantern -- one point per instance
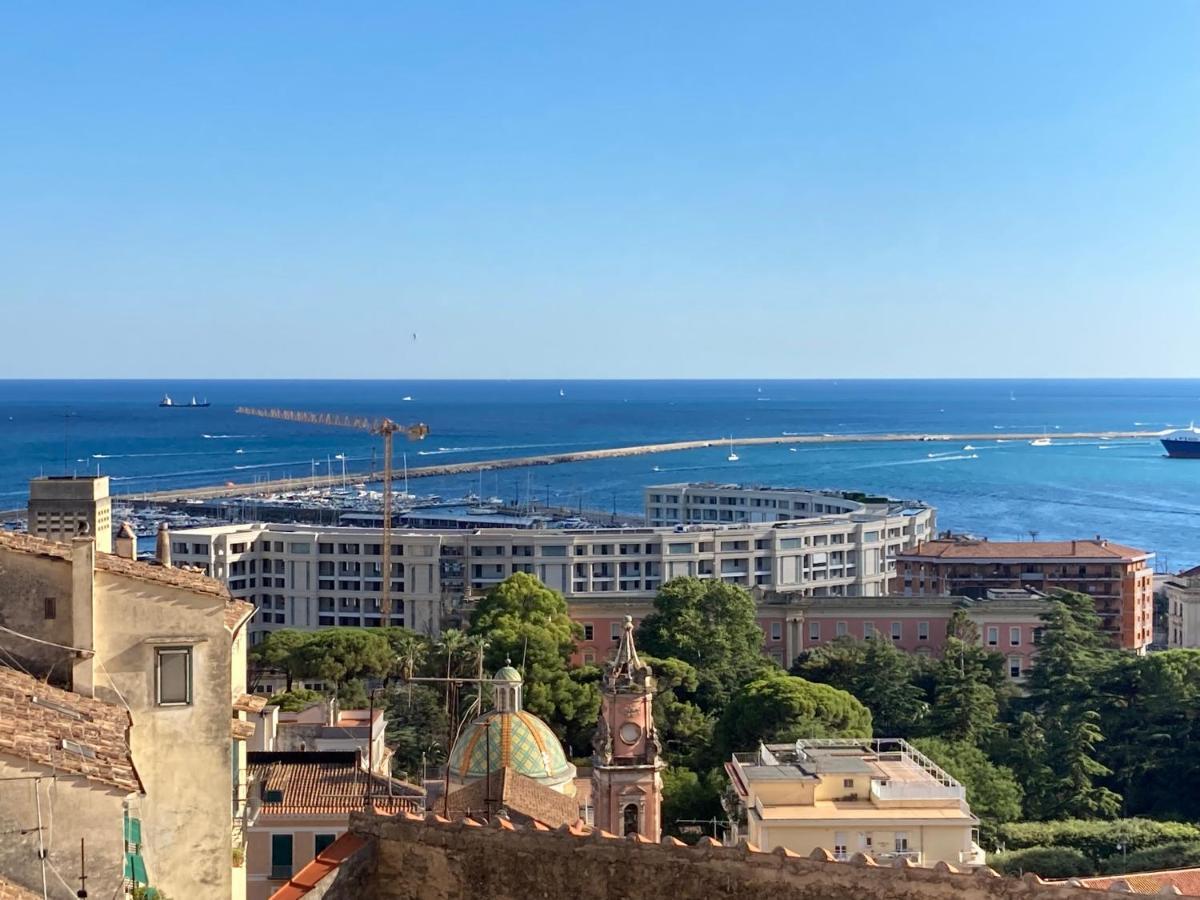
(507, 685)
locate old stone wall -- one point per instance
(409, 858)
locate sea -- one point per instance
(1126, 491)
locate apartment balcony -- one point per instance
(899, 793)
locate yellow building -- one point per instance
(881, 797)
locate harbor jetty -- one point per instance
(237, 489)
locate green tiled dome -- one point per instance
(508, 673)
(518, 740)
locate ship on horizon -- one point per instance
(1182, 443)
(166, 401)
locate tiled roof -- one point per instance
(10, 891)
(236, 611)
(1193, 572)
(523, 797)
(325, 862)
(240, 730)
(1186, 880)
(250, 703)
(35, 731)
(971, 549)
(326, 783)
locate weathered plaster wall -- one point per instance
(71, 808)
(408, 858)
(182, 753)
(25, 583)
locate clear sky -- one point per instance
(609, 189)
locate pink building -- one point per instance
(1008, 623)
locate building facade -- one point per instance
(309, 577)
(1183, 609)
(1120, 579)
(65, 507)
(169, 648)
(881, 797)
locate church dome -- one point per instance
(507, 673)
(517, 740)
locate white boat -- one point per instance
(406, 397)
(733, 457)
(1040, 442)
(561, 392)
(792, 450)
(968, 447)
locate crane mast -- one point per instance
(385, 428)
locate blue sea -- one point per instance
(1129, 492)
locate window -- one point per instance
(51, 608)
(776, 631)
(814, 631)
(679, 548)
(901, 838)
(554, 550)
(848, 783)
(1014, 637)
(615, 631)
(321, 841)
(993, 636)
(629, 817)
(589, 632)
(173, 676)
(868, 630)
(922, 631)
(839, 630)
(1014, 667)
(281, 856)
(839, 845)
(896, 631)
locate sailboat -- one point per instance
(1043, 441)
(733, 457)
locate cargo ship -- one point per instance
(1183, 443)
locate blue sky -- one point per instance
(562, 190)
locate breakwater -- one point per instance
(241, 489)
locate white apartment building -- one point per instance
(311, 576)
(1183, 609)
(710, 503)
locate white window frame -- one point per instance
(992, 637)
(922, 631)
(897, 631)
(1014, 636)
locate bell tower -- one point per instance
(627, 763)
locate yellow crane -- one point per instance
(387, 429)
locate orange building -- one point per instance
(1119, 578)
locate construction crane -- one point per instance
(384, 427)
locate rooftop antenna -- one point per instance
(1033, 534)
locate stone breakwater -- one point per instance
(550, 459)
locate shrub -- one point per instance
(1096, 839)
(1048, 862)
(1175, 855)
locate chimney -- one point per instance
(162, 546)
(83, 632)
(126, 543)
(333, 712)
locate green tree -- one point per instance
(410, 651)
(966, 695)
(992, 791)
(690, 795)
(417, 728)
(1048, 862)
(1073, 659)
(780, 708)
(525, 622)
(880, 675)
(713, 627)
(684, 729)
(296, 701)
(281, 651)
(342, 655)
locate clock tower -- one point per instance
(627, 763)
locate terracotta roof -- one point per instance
(523, 797)
(11, 891)
(240, 730)
(326, 783)
(1193, 572)
(972, 549)
(35, 731)
(1186, 880)
(325, 862)
(250, 703)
